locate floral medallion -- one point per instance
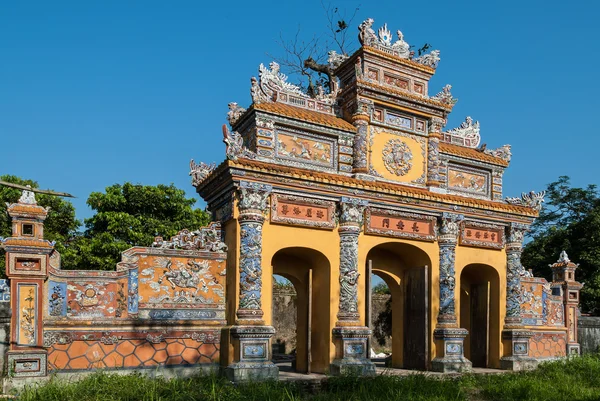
(397, 157)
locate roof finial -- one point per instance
(28, 197)
(564, 258)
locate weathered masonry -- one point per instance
(322, 190)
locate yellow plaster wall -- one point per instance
(277, 237)
(431, 249)
(416, 144)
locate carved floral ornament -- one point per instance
(397, 157)
(450, 225)
(253, 196)
(352, 210)
(516, 233)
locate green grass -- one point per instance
(575, 379)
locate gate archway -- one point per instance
(309, 271)
(405, 270)
(480, 314)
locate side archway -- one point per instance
(309, 270)
(480, 314)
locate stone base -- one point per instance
(252, 354)
(518, 363)
(573, 349)
(451, 365)
(351, 354)
(27, 363)
(251, 371)
(516, 342)
(452, 357)
(358, 367)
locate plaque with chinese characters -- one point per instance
(301, 211)
(400, 224)
(482, 235)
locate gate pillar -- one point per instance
(563, 282)
(448, 336)
(349, 336)
(27, 256)
(250, 335)
(515, 337)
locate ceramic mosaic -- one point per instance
(539, 307)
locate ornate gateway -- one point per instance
(323, 189)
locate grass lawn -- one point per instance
(575, 379)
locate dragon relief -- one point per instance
(175, 281)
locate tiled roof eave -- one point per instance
(383, 187)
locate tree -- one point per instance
(60, 225)
(569, 221)
(130, 215)
(307, 60)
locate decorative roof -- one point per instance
(408, 95)
(39, 243)
(305, 115)
(387, 187)
(383, 40)
(272, 86)
(471, 153)
(467, 134)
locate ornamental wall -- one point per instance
(163, 306)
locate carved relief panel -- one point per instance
(468, 180)
(305, 150)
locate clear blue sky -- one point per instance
(98, 92)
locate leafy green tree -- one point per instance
(128, 215)
(569, 221)
(60, 225)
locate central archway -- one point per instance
(406, 271)
(309, 271)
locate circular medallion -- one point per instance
(397, 157)
(90, 293)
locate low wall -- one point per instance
(588, 331)
(163, 306)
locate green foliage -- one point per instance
(381, 289)
(128, 215)
(60, 225)
(576, 379)
(125, 215)
(382, 329)
(569, 221)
